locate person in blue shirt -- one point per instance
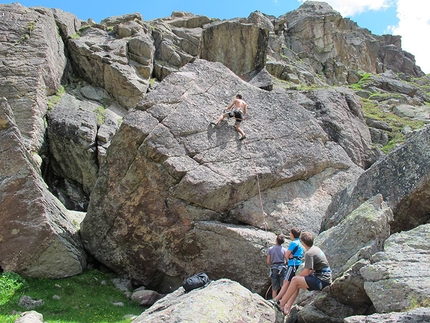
(316, 274)
(294, 256)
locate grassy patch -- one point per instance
(381, 96)
(88, 297)
(10, 283)
(396, 136)
(83, 28)
(30, 26)
(363, 81)
(101, 115)
(415, 302)
(78, 34)
(53, 100)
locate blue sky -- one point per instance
(408, 18)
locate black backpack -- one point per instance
(195, 281)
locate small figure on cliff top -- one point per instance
(238, 113)
(315, 276)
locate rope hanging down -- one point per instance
(259, 189)
(250, 156)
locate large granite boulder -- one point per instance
(167, 171)
(340, 114)
(182, 19)
(391, 83)
(32, 66)
(71, 137)
(360, 235)
(120, 65)
(417, 315)
(240, 47)
(403, 180)
(222, 300)
(116, 20)
(37, 237)
(175, 46)
(398, 279)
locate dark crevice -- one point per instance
(68, 192)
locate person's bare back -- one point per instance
(240, 105)
(238, 113)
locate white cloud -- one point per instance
(352, 7)
(414, 27)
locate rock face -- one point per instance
(32, 66)
(36, 237)
(402, 178)
(80, 127)
(359, 236)
(400, 272)
(333, 45)
(349, 247)
(340, 114)
(167, 170)
(417, 315)
(172, 196)
(221, 301)
(240, 47)
(177, 41)
(121, 63)
(71, 135)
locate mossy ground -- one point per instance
(396, 136)
(85, 298)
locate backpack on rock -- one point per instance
(195, 281)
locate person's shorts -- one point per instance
(235, 114)
(314, 283)
(291, 272)
(239, 116)
(277, 277)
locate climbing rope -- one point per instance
(268, 293)
(258, 181)
(252, 160)
(269, 290)
(259, 191)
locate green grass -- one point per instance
(396, 137)
(100, 114)
(83, 28)
(53, 100)
(364, 81)
(85, 298)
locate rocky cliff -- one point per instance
(113, 120)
